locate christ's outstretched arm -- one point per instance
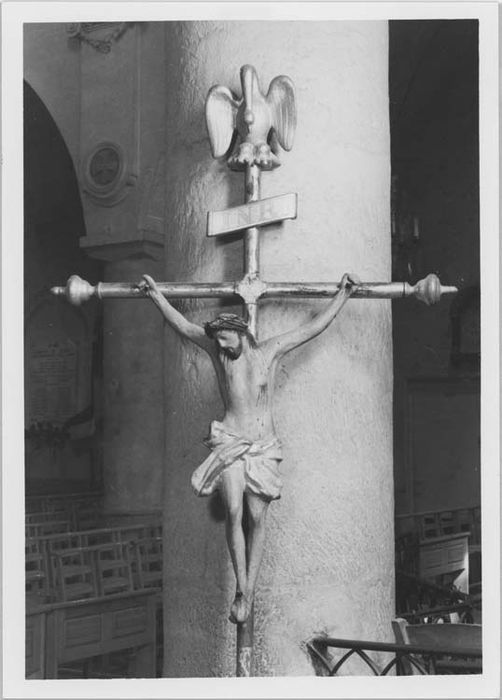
(279, 345)
(177, 321)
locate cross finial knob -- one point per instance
(76, 291)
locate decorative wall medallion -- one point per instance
(104, 166)
(80, 31)
(105, 176)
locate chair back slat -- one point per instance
(148, 562)
(75, 575)
(70, 565)
(113, 568)
(452, 636)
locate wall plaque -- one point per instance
(53, 381)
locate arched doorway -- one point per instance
(62, 366)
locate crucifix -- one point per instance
(245, 451)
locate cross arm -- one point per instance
(428, 290)
(78, 290)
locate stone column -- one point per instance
(133, 439)
(329, 562)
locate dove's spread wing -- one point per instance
(221, 109)
(281, 100)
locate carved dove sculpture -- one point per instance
(254, 118)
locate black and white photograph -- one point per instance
(250, 350)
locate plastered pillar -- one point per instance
(133, 439)
(328, 564)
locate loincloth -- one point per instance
(260, 460)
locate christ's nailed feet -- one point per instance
(239, 612)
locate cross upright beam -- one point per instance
(252, 245)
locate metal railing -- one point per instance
(422, 658)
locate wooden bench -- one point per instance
(51, 503)
(72, 539)
(61, 633)
(35, 644)
(430, 524)
(81, 510)
(71, 565)
(47, 527)
(445, 558)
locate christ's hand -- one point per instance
(149, 287)
(350, 282)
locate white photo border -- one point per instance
(14, 14)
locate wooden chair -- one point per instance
(42, 517)
(148, 562)
(429, 525)
(75, 575)
(450, 636)
(48, 527)
(84, 629)
(87, 513)
(87, 517)
(114, 571)
(35, 568)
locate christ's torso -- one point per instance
(246, 386)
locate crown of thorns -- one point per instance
(226, 322)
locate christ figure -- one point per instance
(245, 451)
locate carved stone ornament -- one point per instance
(80, 31)
(106, 179)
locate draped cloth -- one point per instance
(260, 460)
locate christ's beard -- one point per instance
(231, 353)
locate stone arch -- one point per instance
(59, 340)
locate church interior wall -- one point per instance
(109, 110)
(62, 372)
(52, 68)
(434, 127)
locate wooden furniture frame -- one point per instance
(463, 642)
(44, 552)
(446, 556)
(64, 632)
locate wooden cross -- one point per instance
(259, 120)
(256, 118)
